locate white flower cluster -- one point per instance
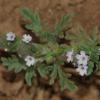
(10, 36)
(80, 60)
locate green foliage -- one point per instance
(49, 53)
(13, 64)
(90, 43)
(90, 68)
(33, 17)
(54, 72)
(10, 46)
(44, 33)
(57, 73)
(81, 37)
(65, 82)
(63, 23)
(43, 70)
(24, 49)
(30, 73)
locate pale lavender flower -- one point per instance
(10, 36)
(26, 38)
(82, 70)
(69, 56)
(30, 60)
(82, 58)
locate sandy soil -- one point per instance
(87, 14)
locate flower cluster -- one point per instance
(10, 36)
(80, 60)
(26, 38)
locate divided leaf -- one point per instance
(35, 25)
(53, 74)
(29, 77)
(90, 68)
(13, 64)
(63, 23)
(43, 71)
(65, 83)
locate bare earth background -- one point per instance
(87, 14)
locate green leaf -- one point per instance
(27, 13)
(35, 25)
(29, 76)
(24, 49)
(48, 36)
(53, 74)
(63, 23)
(69, 85)
(90, 68)
(48, 57)
(42, 70)
(13, 47)
(13, 64)
(65, 83)
(98, 66)
(40, 49)
(29, 26)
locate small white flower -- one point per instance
(82, 70)
(26, 38)
(98, 48)
(82, 58)
(10, 36)
(69, 56)
(30, 61)
(5, 49)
